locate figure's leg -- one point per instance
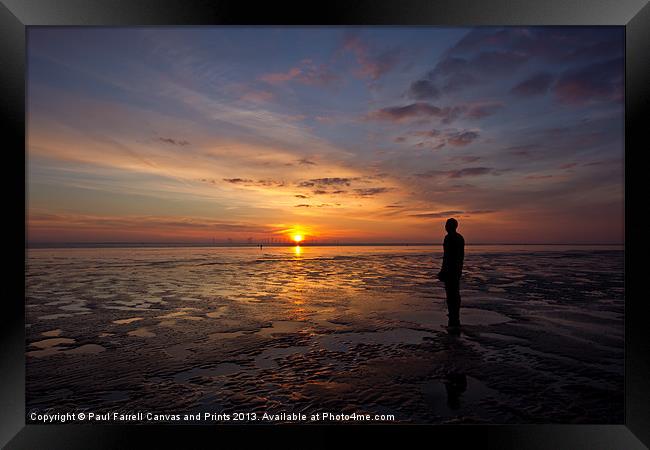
(457, 304)
(453, 302)
(450, 291)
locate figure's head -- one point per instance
(451, 225)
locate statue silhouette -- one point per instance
(452, 267)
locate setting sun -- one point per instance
(297, 238)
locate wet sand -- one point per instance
(342, 329)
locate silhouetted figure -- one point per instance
(452, 267)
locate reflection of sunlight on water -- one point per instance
(298, 250)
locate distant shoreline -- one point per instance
(246, 245)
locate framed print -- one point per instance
(378, 217)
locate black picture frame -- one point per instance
(17, 15)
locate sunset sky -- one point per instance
(352, 134)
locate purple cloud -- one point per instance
(481, 110)
(414, 110)
(535, 85)
(423, 90)
(462, 138)
(460, 173)
(600, 81)
(372, 64)
(306, 72)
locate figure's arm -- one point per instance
(445, 257)
(445, 262)
(461, 256)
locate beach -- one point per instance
(343, 329)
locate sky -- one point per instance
(349, 134)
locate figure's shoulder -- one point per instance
(460, 238)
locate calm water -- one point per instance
(348, 329)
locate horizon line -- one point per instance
(281, 244)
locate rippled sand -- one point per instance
(343, 329)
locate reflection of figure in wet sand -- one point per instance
(454, 370)
(452, 267)
(455, 384)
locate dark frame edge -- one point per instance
(12, 330)
(12, 410)
(637, 102)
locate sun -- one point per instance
(297, 238)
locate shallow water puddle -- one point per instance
(340, 342)
(141, 332)
(52, 333)
(126, 321)
(503, 337)
(281, 327)
(435, 319)
(218, 370)
(88, 349)
(266, 359)
(47, 343)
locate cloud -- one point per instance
(461, 138)
(471, 172)
(446, 114)
(538, 177)
(454, 73)
(440, 138)
(481, 211)
(257, 96)
(416, 110)
(595, 82)
(320, 182)
(237, 180)
(372, 64)
(437, 215)
(249, 182)
(460, 173)
(306, 162)
(179, 142)
(522, 150)
(443, 214)
(537, 84)
(423, 90)
(465, 158)
(369, 192)
(150, 224)
(430, 133)
(280, 77)
(550, 44)
(306, 72)
(481, 110)
(488, 55)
